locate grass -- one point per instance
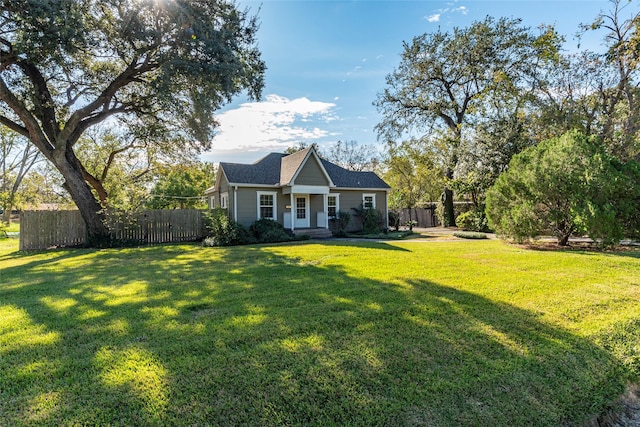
(338, 333)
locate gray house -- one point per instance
(301, 191)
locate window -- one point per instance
(369, 201)
(332, 206)
(224, 200)
(301, 207)
(267, 205)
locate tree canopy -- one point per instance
(158, 69)
(447, 81)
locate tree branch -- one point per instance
(43, 100)
(14, 126)
(34, 132)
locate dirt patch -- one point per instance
(625, 411)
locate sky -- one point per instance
(327, 62)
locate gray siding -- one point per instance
(248, 204)
(353, 199)
(311, 174)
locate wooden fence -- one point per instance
(47, 229)
(425, 217)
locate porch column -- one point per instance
(293, 218)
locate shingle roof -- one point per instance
(342, 177)
(278, 169)
(290, 165)
(265, 171)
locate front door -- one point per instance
(301, 213)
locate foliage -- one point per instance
(353, 156)
(222, 231)
(473, 220)
(563, 186)
(371, 219)
(17, 158)
(627, 198)
(3, 229)
(269, 231)
(182, 186)
(120, 167)
(394, 220)
(451, 333)
(413, 175)
(470, 235)
(156, 69)
(340, 223)
(447, 80)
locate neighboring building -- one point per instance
(300, 191)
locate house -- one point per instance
(300, 191)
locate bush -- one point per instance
(222, 231)
(269, 231)
(469, 235)
(372, 220)
(563, 186)
(394, 220)
(473, 220)
(339, 224)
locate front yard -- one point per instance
(334, 333)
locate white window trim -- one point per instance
(373, 198)
(275, 203)
(337, 196)
(224, 200)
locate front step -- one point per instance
(314, 233)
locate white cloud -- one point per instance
(273, 124)
(433, 18)
(461, 9)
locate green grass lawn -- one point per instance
(334, 333)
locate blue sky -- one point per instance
(327, 61)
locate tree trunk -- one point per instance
(564, 239)
(6, 215)
(90, 210)
(449, 213)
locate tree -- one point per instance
(17, 157)
(157, 69)
(413, 176)
(353, 156)
(449, 80)
(182, 186)
(563, 185)
(618, 102)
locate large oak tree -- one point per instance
(159, 68)
(447, 82)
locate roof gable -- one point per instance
(294, 163)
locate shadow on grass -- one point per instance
(186, 335)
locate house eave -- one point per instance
(361, 189)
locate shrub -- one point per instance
(470, 235)
(473, 220)
(372, 220)
(269, 231)
(339, 224)
(222, 231)
(394, 220)
(562, 186)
